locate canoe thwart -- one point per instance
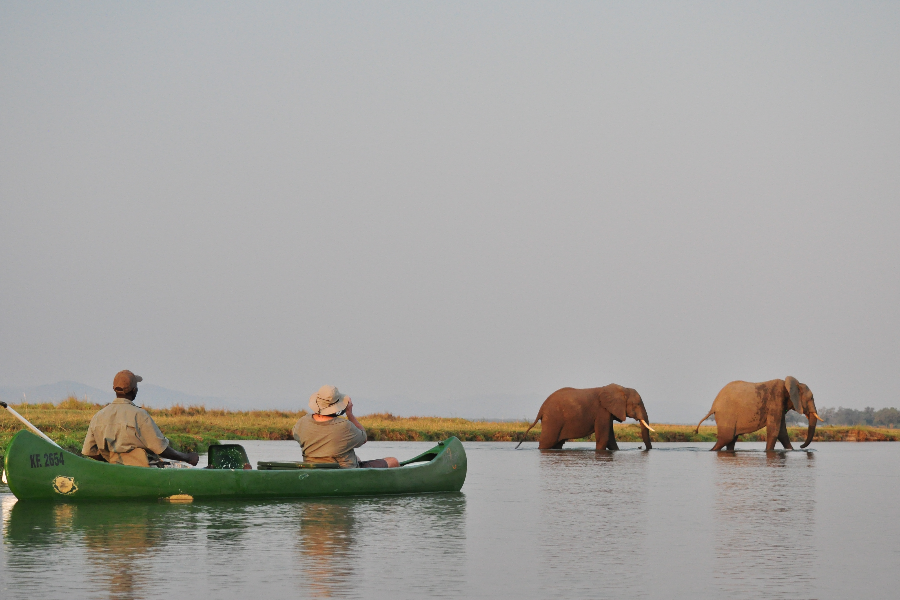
(286, 465)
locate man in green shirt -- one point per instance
(326, 438)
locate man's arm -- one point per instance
(148, 432)
(355, 422)
(172, 454)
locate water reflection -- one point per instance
(114, 539)
(324, 545)
(7, 501)
(764, 521)
(351, 544)
(675, 522)
(593, 531)
(117, 541)
(320, 548)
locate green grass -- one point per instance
(195, 427)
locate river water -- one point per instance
(675, 522)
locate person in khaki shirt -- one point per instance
(324, 437)
(124, 434)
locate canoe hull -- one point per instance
(37, 470)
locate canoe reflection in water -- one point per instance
(116, 543)
(306, 548)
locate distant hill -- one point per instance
(148, 394)
(54, 392)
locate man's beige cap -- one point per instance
(126, 381)
(328, 401)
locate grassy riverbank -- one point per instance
(194, 427)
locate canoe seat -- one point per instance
(274, 465)
(227, 456)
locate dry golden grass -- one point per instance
(195, 427)
(385, 426)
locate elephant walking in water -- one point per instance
(743, 407)
(571, 414)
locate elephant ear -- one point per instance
(793, 388)
(615, 404)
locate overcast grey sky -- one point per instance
(444, 200)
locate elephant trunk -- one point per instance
(645, 434)
(811, 432)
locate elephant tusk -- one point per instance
(816, 415)
(647, 425)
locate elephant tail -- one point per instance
(711, 412)
(540, 414)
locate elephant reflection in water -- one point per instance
(569, 414)
(765, 514)
(325, 544)
(592, 517)
(743, 407)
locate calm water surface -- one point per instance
(675, 522)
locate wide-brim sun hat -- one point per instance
(328, 401)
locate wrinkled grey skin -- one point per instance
(743, 407)
(569, 414)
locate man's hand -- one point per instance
(351, 418)
(188, 457)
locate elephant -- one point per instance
(570, 414)
(743, 407)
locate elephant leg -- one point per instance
(783, 436)
(601, 433)
(611, 440)
(724, 438)
(550, 436)
(772, 431)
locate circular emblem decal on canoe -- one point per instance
(65, 485)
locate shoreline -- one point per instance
(194, 428)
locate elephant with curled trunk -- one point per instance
(743, 407)
(571, 414)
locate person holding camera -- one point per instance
(324, 437)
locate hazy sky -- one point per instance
(443, 200)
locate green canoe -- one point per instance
(38, 470)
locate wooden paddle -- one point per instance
(27, 424)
